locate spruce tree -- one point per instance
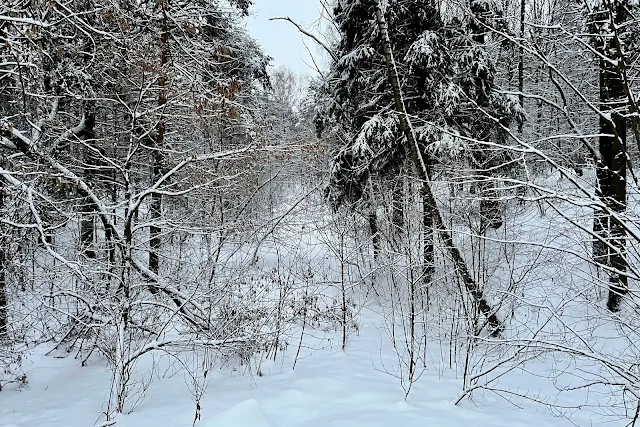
(446, 74)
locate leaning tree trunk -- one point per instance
(495, 325)
(611, 170)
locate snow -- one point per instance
(360, 386)
(247, 412)
(328, 388)
(23, 20)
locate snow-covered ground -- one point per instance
(359, 386)
(328, 388)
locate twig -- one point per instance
(308, 34)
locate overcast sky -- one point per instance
(280, 39)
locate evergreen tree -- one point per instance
(446, 74)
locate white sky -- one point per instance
(280, 39)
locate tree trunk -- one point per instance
(495, 325)
(155, 230)
(397, 205)
(428, 236)
(490, 207)
(87, 228)
(4, 318)
(611, 170)
(428, 246)
(521, 59)
(375, 232)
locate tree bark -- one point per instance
(4, 318)
(495, 325)
(155, 230)
(397, 204)
(428, 244)
(521, 59)
(490, 207)
(87, 227)
(428, 235)
(375, 232)
(611, 170)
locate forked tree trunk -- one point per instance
(495, 325)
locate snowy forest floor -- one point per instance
(322, 385)
(328, 388)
